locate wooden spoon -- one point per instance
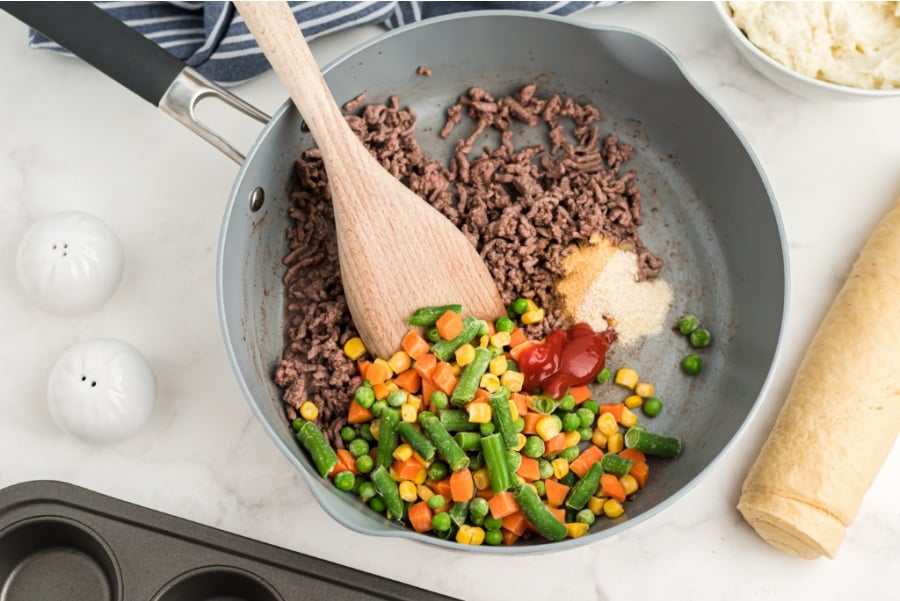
(397, 252)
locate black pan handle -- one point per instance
(132, 60)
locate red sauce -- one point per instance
(566, 358)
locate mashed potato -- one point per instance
(854, 44)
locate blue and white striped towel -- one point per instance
(212, 38)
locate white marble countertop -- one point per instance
(72, 140)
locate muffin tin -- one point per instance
(62, 542)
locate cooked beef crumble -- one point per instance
(524, 208)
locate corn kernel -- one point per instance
(421, 476)
(521, 481)
(560, 467)
(400, 362)
(629, 418)
(408, 412)
(489, 382)
(520, 441)
(309, 411)
(464, 535)
(479, 413)
(513, 380)
(387, 365)
(455, 369)
(408, 491)
(415, 401)
(615, 443)
(394, 475)
(421, 459)
(500, 339)
(599, 438)
(465, 354)
(595, 504)
(612, 508)
(634, 401)
(385, 390)
(627, 378)
(533, 317)
(607, 424)
(484, 341)
(576, 529)
(354, 348)
(424, 492)
(498, 365)
(477, 535)
(513, 410)
(629, 484)
(573, 438)
(482, 478)
(373, 427)
(547, 427)
(402, 452)
(530, 305)
(644, 389)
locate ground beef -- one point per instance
(424, 71)
(524, 208)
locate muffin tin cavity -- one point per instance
(56, 559)
(218, 583)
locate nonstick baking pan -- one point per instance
(60, 542)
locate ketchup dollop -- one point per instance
(566, 358)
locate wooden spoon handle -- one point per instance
(279, 37)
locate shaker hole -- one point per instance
(93, 384)
(83, 378)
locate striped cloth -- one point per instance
(212, 38)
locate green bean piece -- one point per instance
(459, 511)
(471, 374)
(364, 396)
(344, 481)
(438, 470)
(318, 447)
(441, 521)
(364, 464)
(688, 324)
(483, 329)
(476, 461)
(297, 423)
(456, 420)
(478, 508)
(444, 349)
(604, 375)
(651, 443)
(418, 441)
(439, 399)
(539, 515)
(512, 365)
(389, 491)
(436, 502)
(615, 465)
(700, 338)
(432, 334)
(499, 472)
(468, 441)
(569, 479)
(428, 316)
(501, 416)
(486, 428)
(652, 407)
(692, 364)
(387, 437)
(493, 537)
(519, 306)
(534, 447)
(504, 324)
(585, 488)
(358, 447)
(455, 457)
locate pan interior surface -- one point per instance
(708, 212)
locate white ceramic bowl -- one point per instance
(801, 85)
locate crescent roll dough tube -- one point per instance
(841, 416)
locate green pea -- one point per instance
(297, 424)
(476, 461)
(367, 491)
(540, 487)
(652, 407)
(365, 431)
(568, 479)
(436, 502)
(378, 407)
(570, 422)
(377, 505)
(487, 428)
(504, 324)
(592, 406)
(585, 433)
(358, 447)
(519, 306)
(511, 365)
(432, 334)
(692, 364)
(441, 521)
(545, 468)
(493, 537)
(364, 463)
(585, 416)
(700, 338)
(567, 403)
(438, 470)
(492, 523)
(604, 375)
(478, 507)
(476, 521)
(585, 516)
(344, 481)
(348, 433)
(534, 447)
(569, 453)
(688, 324)
(396, 398)
(483, 328)
(439, 399)
(519, 424)
(364, 396)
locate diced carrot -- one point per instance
(362, 365)
(443, 376)
(384, 389)
(449, 325)
(503, 504)
(358, 414)
(425, 364)
(482, 396)
(346, 463)
(633, 454)
(531, 420)
(414, 345)
(516, 351)
(556, 492)
(580, 394)
(612, 487)
(588, 457)
(640, 471)
(441, 487)
(377, 373)
(420, 516)
(521, 402)
(428, 387)
(462, 486)
(509, 538)
(409, 469)
(614, 408)
(559, 513)
(516, 337)
(409, 381)
(529, 469)
(516, 523)
(492, 329)
(555, 444)
(486, 493)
